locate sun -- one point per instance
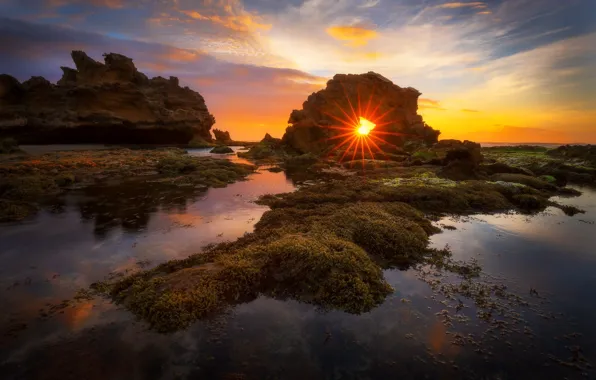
(365, 126)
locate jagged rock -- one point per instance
(222, 136)
(312, 128)
(102, 103)
(69, 76)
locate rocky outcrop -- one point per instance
(222, 137)
(109, 102)
(348, 97)
(460, 160)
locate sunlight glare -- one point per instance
(365, 126)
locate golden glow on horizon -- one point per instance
(365, 126)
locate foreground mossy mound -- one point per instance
(315, 268)
(28, 181)
(324, 244)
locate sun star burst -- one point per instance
(359, 129)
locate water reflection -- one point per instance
(97, 231)
(270, 338)
(129, 207)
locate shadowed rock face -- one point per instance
(102, 103)
(311, 127)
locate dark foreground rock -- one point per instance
(348, 97)
(109, 102)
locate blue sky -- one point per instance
(525, 66)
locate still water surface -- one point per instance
(95, 232)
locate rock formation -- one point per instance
(102, 103)
(351, 96)
(222, 137)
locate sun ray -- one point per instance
(338, 118)
(344, 112)
(349, 102)
(339, 136)
(354, 139)
(369, 150)
(362, 148)
(336, 147)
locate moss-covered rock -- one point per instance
(222, 149)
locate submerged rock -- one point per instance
(222, 149)
(109, 102)
(344, 100)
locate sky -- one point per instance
(489, 71)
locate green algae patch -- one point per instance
(25, 182)
(424, 179)
(526, 180)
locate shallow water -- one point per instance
(99, 231)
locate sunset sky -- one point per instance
(498, 70)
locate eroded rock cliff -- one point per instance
(109, 102)
(346, 98)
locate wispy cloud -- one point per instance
(430, 104)
(455, 5)
(355, 35)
